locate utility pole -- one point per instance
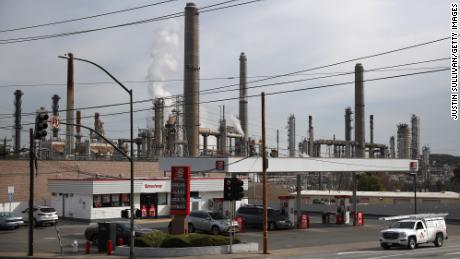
(31, 193)
(264, 176)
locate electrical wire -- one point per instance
(155, 19)
(201, 79)
(2, 116)
(341, 62)
(87, 17)
(291, 91)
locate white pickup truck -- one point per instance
(411, 230)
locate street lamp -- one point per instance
(414, 174)
(131, 160)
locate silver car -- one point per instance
(10, 221)
(41, 215)
(211, 221)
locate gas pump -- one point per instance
(343, 209)
(287, 206)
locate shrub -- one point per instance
(160, 239)
(153, 239)
(175, 241)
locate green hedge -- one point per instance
(153, 239)
(160, 239)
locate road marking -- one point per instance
(50, 238)
(455, 253)
(413, 252)
(357, 252)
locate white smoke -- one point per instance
(237, 124)
(165, 62)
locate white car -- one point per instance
(412, 230)
(42, 215)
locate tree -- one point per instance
(455, 180)
(368, 182)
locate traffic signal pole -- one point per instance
(30, 251)
(264, 177)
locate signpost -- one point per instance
(180, 199)
(10, 195)
(55, 122)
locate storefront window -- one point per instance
(162, 199)
(125, 199)
(97, 203)
(106, 200)
(116, 200)
(111, 200)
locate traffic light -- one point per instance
(237, 188)
(41, 123)
(228, 193)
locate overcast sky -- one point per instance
(277, 36)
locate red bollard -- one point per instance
(119, 241)
(109, 247)
(88, 247)
(240, 221)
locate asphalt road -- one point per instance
(319, 241)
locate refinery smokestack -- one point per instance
(359, 111)
(371, 123)
(291, 135)
(392, 147)
(348, 129)
(191, 80)
(415, 140)
(159, 119)
(17, 120)
(403, 141)
(243, 116)
(69, 106)
(311, 139)
(78, 135)
(55, 108)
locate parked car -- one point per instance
(211, 221)
(123, 231)
(42, 215)
(253, 216)
(10, 221)
(413, 230)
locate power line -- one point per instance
(329, 76)
(87, 17)
(237, 89)
(340, 62)
(155, 19)
(250, 87)
(286, 91)
(181, 80)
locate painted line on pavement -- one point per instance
(413, 252)
(357, 252)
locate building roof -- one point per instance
(434, 195)
(287, 165)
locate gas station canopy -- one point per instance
(288, 165)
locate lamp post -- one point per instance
(131, 159)
(414, 174)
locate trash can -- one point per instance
(303, 221)
(360, 221)
(138, 214)
(106, 231)
(124, 214)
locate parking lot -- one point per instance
(319, 241)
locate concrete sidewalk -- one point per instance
(281, 253)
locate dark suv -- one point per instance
(253, 216)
